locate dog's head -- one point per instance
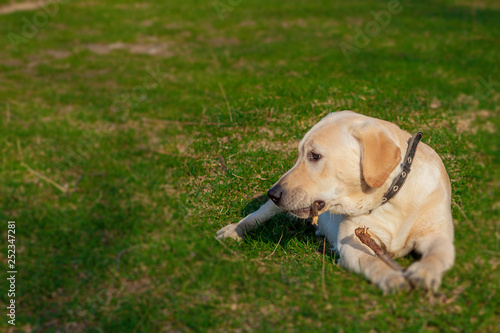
(343, 163)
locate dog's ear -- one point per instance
(379, 154)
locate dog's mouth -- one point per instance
(302, 212)
(307, 212)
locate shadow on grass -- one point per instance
(284, 228)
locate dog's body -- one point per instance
(346, 164)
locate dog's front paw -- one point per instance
(230, 231)
(393, 282)
(423, 275)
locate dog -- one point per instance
(366, 172)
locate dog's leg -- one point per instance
(237, 230)
(357, 257)
(438, 255)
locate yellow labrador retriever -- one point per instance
(362, 171)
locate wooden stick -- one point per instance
(314, 213)
(366, 239)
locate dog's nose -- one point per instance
(275, 194)
(320, 204)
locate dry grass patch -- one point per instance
(161, 49)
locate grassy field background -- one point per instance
(131, 132)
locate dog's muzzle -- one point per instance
(277, 195)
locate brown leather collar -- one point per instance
(408, 160)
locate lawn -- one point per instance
(131, 132)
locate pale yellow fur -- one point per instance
(351, 178)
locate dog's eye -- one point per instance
(314, 156)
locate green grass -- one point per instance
(117, 191)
